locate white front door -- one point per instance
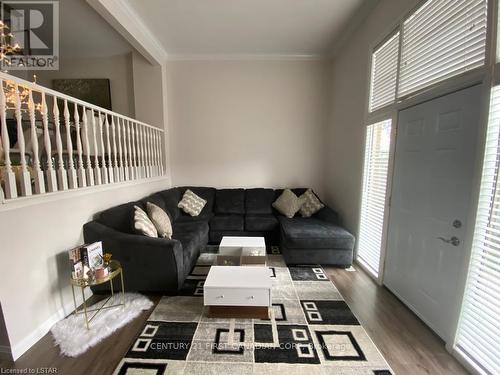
(431, 195)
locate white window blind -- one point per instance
(478, 335)
(384, 73)
(378, 140)
(441, 39)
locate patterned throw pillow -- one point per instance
(310, 204)
(160, 220)
(191, 203)
(287, 203)
(142, 224)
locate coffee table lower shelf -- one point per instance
(239, 312)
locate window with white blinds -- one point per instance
(384, 73)
(478, 335)
(378, 140)
(441, 39)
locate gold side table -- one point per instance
(115, 269)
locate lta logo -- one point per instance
(29, 35)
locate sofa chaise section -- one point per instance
(316, 240)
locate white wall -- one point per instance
(241, 123)
(118, 69)
(34, 288)
(350, 84)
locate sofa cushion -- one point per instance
(196, 227)
(259, 201)
(311, 233)
(119, 218)
(309, 204)
(171, 198)
(207, 193)
(226, 222)
(191, 219)
(230, 201)
(142, 223)
(191, 203)
(287, 204)
(266, 223)
(155, 198)
(160, 219)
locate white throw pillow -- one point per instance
(160, 220)
(287, 204)
(191, 203)
(310, 204)
(142, 224)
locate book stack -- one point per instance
(85, 260)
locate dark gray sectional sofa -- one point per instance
(161, 265)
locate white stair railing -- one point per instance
(51, 142)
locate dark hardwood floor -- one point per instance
(407, 344)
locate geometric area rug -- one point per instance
(311, 331)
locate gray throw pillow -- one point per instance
(160, 220)
(287, 204)
(142, 224)
(310, 204)
(191, 203)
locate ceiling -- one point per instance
(245, 27)
(85, 34)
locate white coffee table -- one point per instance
(243, 251)
(238, 292)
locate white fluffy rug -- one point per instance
(73, 337)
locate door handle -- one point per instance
(452, 241)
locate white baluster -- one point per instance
(103, 152)
(37, 171)
(8, 175)
(120, 151)
(148, 151)
(156, 139)
(72, 180)
(86, 146)
(62, 177)
(82, 181)
(116, 170)
(138, 150)
(97, 169)
(24, 177)
(129, 152)
(143, 153)
(108, 147)
(160, 151)
(125, 151)
(153, 152)
(134, 150)
(50, 173)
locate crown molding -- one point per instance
(125, 20)
(246, 57)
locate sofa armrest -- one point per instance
(328, 214)
(149, 264)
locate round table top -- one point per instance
(114, 268)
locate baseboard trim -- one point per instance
(27, 342)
